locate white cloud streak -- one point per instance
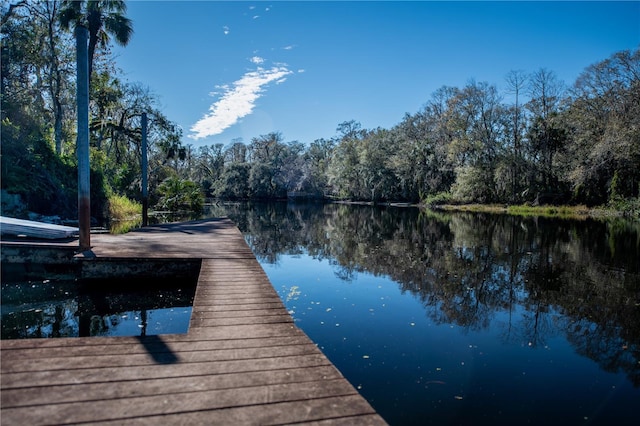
(237, 101)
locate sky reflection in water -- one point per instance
(67, 308)
(414, 371)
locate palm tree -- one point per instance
(95, 20)
(103, 19)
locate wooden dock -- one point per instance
(242, 362)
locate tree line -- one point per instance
(537, 141)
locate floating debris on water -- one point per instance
(293, 293)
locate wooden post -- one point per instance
(82, 142)
(144, 167)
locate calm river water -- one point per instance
(459, 318)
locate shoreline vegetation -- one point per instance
(560, 211)
(579, 212)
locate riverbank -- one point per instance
(630, 210)
(562, 211)
(569, 212)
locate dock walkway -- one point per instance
(243, 360)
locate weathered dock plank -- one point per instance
(327, 410)
(166, 343)
(124, 408)
(242, 361)
(166, 386)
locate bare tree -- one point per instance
(516, 84)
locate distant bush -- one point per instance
(180, 195)
(438, 199)
(29, 168)
(628, 207)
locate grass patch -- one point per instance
(124, 214)
(574, 212)
(479, 208)
(565, 212)
(439, 199)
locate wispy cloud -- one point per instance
(225, 30)
(257, 60)
(238, 100)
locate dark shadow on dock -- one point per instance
(158, 349)
(203, 226)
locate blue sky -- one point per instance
(228, 70)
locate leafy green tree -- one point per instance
(261, 182)
(36, 68)
(107, 95)
(116, 113)
(411, 153)
(234, 182)
(419, 158)
(344, 170)
(46, 183)
(208, 166)
(266, 154)
(180, 195)
(291, 173)
(477, 122)
(375, 170)
(276, 165)
(56, 69)
(604, 118)
(314, 179)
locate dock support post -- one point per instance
(82, 142)
(144, 167)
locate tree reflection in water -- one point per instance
(544, 278)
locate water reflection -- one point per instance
(531, 282)
(98, 307)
